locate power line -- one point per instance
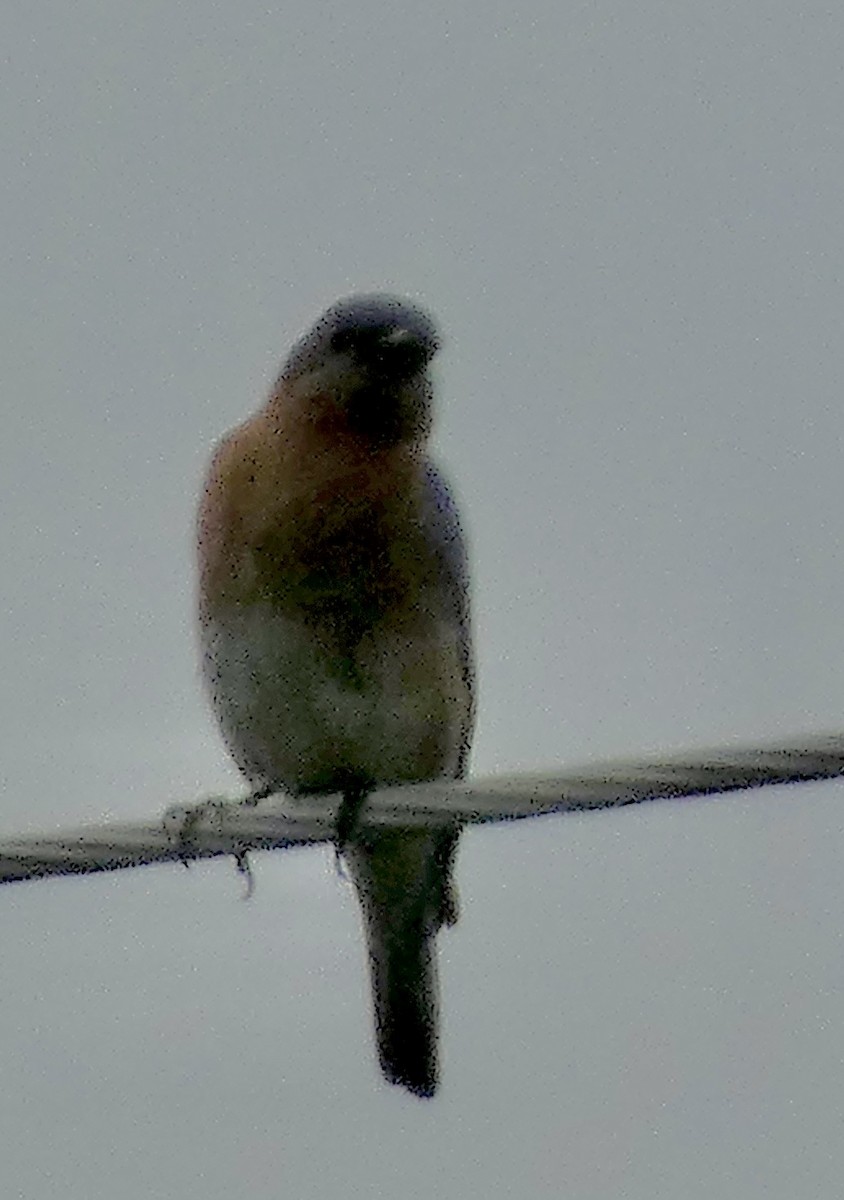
(220, 826)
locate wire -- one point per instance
(224, 826)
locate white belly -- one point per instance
(293, 718)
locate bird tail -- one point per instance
(405, 1003)
(403, 881)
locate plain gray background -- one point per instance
(627, 218)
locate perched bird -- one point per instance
(334, 619)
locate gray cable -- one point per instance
(221, 826)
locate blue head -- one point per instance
(369, 355)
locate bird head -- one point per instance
(365, 363)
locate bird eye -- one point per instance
(342, 340)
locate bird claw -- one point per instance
(346, 825)
(182, 821)
(257, 796)
(339, 867)
(348, 816)
(244, 868)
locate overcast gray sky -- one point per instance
(627, 219)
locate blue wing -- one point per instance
(444, 532)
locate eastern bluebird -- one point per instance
(334, 617)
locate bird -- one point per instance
(335, 628)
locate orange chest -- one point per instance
(341, 554)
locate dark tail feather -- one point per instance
(404, 996)
(403, 881)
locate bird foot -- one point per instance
(346, 825)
